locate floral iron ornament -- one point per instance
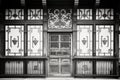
(60, 19)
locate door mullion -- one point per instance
(59, 65)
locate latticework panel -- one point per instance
(84, 14)
(104, 14)
(60, 19)
(14, 14)
(35, 14)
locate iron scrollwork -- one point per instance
(60, 19)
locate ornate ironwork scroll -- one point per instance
(104, 14)
(84, 40)
(14, 14)
(14, 40)
(60, 19)
(35, 14)
(84, 14)
(104, 40)
(35, 40)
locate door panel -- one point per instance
(60, 54)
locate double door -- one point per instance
(60, 63)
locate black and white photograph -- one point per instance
(59, 39)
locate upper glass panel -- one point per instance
(104, 14)
(60, 18)
(60, 44)
(84, 40)
(84, 14)
(104, 40)
(14, 14)
(14, 40)
(35, 14)
(35, 40)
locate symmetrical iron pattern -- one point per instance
(84, 40)
(60, 19)
(104, 14)
(14, 40)
(84, 68)
(60, 44)
(84, 14)
(35, 14)
(104, 40)
(35, 67)
(35, 40)
(14, 67)
(14, 14)
(104, 68)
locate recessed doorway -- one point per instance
(60, 45)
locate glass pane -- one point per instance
(60, 44)
(54, 45)
(14, 14)
(35, 14)
(65, 45)
(60, 19)
(14, 40)
(14, 67)
(53, 53)
(104, 40)
(35, 40)
(66, 37)
(84, 67)
(35, 67)
(54, 38)
(84, 14)
(84, 40)
(104, 68)
(104, 14)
